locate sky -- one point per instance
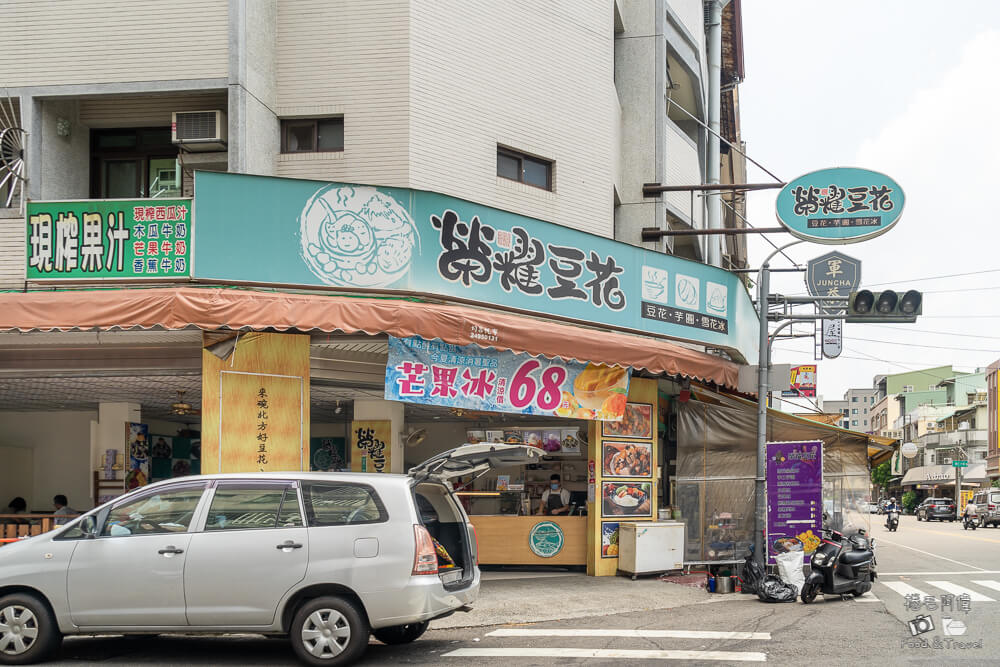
(907, 88)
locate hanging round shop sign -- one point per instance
(839, 205)
(546, 539)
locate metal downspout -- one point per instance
(714, 116)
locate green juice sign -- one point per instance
(119, 238)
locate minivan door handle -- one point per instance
(288, 544)
(170, 551)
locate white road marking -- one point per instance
(928, 553)
(867, 597)
(935, 574)
(904, 589)
(611, 632)
(961, 590)
(995, 585)
(628, 654)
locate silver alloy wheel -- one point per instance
(18, 629)
(326, 633)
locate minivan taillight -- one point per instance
(992, 507)
(475, 543)
(425, 560)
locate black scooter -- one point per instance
(892, 521)
(841, 566)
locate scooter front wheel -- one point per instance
(809, 593)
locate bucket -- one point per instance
(664, 514)
(723, 584)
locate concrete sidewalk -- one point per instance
(532, 596)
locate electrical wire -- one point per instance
(926, 278)
(949, 275)
(938, 333)
(930, 347)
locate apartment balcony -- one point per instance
(970, 438)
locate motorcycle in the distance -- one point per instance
(970, 519)
(892, 520)
(842, 566)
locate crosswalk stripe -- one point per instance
(904, 589)
(628, 654)
(995, 585)
(625, 632)
(961, 590)
(867, 597)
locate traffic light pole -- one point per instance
(763, 368)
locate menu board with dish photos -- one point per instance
(173, 456)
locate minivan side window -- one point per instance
(342, 503)
(250, 506)
(169, 511)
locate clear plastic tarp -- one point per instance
(717, 465)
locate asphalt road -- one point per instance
(920, 559)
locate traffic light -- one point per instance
(887, 306)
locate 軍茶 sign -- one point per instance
(116, 238)
(840, 205)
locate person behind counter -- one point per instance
(63, 511)
(555, 499)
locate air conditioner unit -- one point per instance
(199, 130)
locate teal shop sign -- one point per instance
(546, 539)
(294, 232)
(840, 205)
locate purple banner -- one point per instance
(794, 497)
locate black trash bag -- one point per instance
(773, 589)
(751, 574)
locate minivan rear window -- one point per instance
(342, 503)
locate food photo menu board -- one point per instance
(794, 497)
(622, 474)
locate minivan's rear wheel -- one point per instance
(400, 634)
(28, 630)
(329, 631)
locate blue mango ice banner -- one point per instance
(293, 232)
(474, 378)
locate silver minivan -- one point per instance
(325, 558)
(988, 507)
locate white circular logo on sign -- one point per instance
(356, 237)
(546, 539)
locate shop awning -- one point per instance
(943, 475)
(879, 448)
(239, 309)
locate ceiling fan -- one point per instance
(181, 408)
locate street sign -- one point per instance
(839, 205)
(833, 274)
(959, 464)
(833, 338)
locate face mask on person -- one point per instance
(554, 486)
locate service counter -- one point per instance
(506, 540)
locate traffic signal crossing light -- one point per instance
(886, 306)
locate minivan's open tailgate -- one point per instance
(472, 459)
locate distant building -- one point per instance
(859, 404)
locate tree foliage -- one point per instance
(909, 500)
(881, 474)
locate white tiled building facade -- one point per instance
(427, 93)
